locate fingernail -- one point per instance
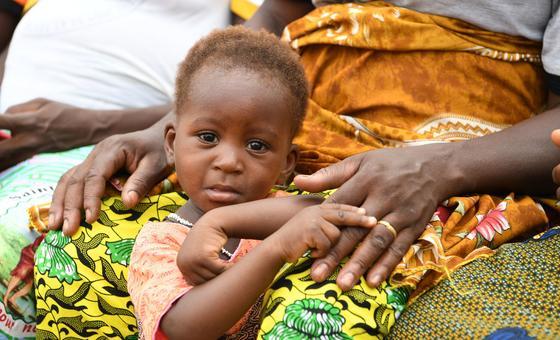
(51, 221)
(321, 271)
(375, 280)
(132, 196)
(65, 227)
(361, 211)
(88, 215)
(347, 280)
(372, 220)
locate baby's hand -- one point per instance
(198, 258)
(317, 228)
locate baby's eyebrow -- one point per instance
(206, 119)
(266, 130)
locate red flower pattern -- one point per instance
(491, 223)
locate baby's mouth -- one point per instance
(222, 194)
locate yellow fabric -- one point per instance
(384, 76)
(243, 8)
(295, 307)
(81, 282)
(27, 4)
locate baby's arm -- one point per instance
(210, 309)
(257, 220)
(251, 220)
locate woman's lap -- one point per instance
(30, 182)
(515, 293)
(81, 282)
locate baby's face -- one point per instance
(232, 140)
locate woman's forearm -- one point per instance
(274, 15)
(518, 159)
(8, 24)
(112, 122)
(207, 311)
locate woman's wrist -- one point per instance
(454, 177)
(111, 122)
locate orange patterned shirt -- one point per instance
(154, 280)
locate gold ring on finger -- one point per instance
(389, 227)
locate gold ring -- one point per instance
(389, 227)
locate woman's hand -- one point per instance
(400, 186)
(139, 153)
(42, 125)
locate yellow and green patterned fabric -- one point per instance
(80, 282)
(296, 307)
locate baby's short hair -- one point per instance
(257, 51)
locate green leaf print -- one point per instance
(120, 251)
(307, 319)
(52, 258)
(397, 298)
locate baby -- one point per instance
(240, 99)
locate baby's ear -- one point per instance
(289, 166)
(170, 143)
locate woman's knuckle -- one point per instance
(361, 263)
(354, 234)
(341, 214)
(379, 241)
(399, 250)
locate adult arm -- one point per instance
(10, 13)
(274, 15)
(42, 125)
(403, 187)
(140, 153)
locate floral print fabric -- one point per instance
(81, 282)
(296, 307)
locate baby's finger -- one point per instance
(319, 244)
(348, 218)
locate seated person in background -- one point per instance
(103, 68)
(241, 97)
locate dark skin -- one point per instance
(43, 125)
(402, 186)
(8, 24)
(203, 312)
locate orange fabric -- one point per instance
(383, 76)
(154, 280)
(464, 229)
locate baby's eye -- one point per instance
(208, 137)
(256, 145)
